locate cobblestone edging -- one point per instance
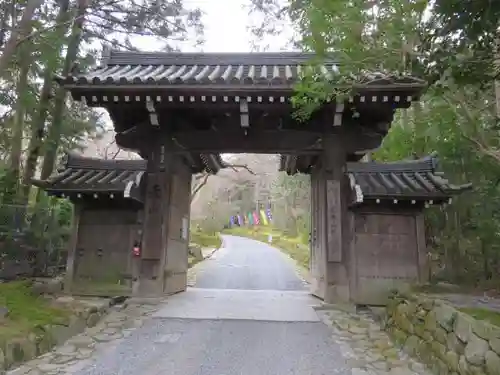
(367, 349)
(447, 340)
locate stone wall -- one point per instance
(21, 349)
(447, 340)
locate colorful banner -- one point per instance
(269, 215)
(259, 217)
(264, 217)
(256, 220)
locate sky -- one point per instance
(226, 28)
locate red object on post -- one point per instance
(136, 251)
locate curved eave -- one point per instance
(402, 83)
(213, 163)
(76, 195)
(441, 196)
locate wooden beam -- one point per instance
(237, 141)
(283, 142)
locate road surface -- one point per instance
(249, 314)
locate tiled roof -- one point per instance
(411, 180)
(414, 180)
(80, 174)
(85, 175)
(267, 69)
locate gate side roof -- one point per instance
(281, 69)
(85, 175)
(409, 180)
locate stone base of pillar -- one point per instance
(155, 288)
(147, 288)
(337, 289)
(332, 293)
(337, 294)
(317, 287)
(175, 283)
(147, 282)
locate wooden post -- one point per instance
(176, 259)
(71, 259)
(155, 221)
(423, 264)
(337, 225)
(318, 256)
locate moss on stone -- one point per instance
(399, 336)
(419, 330)
(451, 359)
(440, 335)
(490, 316)
(492, 363)
(27, 312)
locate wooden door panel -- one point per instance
(386, 256)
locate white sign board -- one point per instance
(185, 228)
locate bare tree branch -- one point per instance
(235, 167)
(480, 143)
(202, 179)
(196, 189)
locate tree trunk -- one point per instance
(60, 105)
(38, 126)
(20, 31)
(20, 111)
(4, 22)
(496, 66)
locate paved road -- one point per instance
(250, 265)
(248, 315)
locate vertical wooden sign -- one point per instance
(153, 206)
(334, 220)
(151, 247)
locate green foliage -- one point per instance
(205, 239)
(291, 204)
(39, 232)
(360, 37)
(27, 312)
(462, 37)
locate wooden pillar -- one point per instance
(317, 262)
(176, 265)
(163, 266)
(72, 255)
(337, 221)
(422, 258)
(150, 281)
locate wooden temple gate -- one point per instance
(180, 111)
